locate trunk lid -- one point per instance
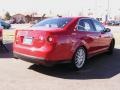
(34, 37)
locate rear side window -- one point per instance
(53, 22)
(86, 25)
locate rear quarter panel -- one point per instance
(65, 41)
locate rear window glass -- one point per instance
(53, 22)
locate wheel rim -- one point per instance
(80, 58)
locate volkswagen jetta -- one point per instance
(63, 39)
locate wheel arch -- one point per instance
(113, 40)
(80, 47)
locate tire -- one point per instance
(15, 57)
(79, 58)
(111, 47)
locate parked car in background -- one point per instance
(64, 39)
(11, 21)
(4, 24)
(113, 23)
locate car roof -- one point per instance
(72, 17)
(79, 17)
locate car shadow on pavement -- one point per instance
(6, 53)
(99, 67)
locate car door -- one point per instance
(105, 39)
(89, 35)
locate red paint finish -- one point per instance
(1, 35)
(59, 44)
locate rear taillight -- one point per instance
(41, 38)
(50, 39)
(16, 36)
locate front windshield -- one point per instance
(53, 22)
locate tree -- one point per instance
(43, 16)
(7, 16)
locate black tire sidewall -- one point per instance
(111, 48)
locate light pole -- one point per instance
(108, 9)
(107, 12)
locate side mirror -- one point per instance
(106, 30)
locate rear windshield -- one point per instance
(53, 22)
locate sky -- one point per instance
(65, 7)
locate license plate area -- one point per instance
(28, 40)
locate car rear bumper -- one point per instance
(35, 53)
(37, 60)
(29, 58)
(44, 53)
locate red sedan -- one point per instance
(64, 39)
